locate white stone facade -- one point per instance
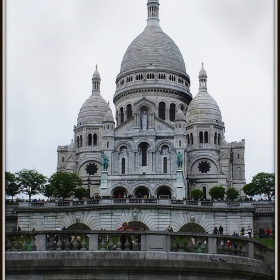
(156, 118)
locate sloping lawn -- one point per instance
(268, 242)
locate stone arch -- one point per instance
(141, 191)
(119, 190)
(192, 227)
(137, 225)
(164, 190)
(122, 143)
(204, 158)
(164, 142)
(78, 226)
(88, 160)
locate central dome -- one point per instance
(153, 48)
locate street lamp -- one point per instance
(88, 188)
(188, 190)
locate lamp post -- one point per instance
(88, 188)
(188, 189)
(29, 193)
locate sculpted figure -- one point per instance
(105, 162)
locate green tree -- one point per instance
(232, 193)
(64, 183)
(250, 189)
(11, 186)
(217, 192)
(47, 190)
(196, 194)
(30, 181)
(80, 193)
(262, 183)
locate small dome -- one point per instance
(202, 73)
(203, 108)
(109, 116)
(96, 74)
(180, 116)
(93, 110)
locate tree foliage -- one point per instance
(12, 188)
(196, 194)
(217, 192)
(64, 183)
(80, 193)
(47, 190)
(232, 193)
(30, 181)
(262, 184)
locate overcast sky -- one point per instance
(52, 48)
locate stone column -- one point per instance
(41, 241)
(212, 245)
(93, 242)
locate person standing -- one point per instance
(221, 229)
(215, 231)
(268, 232)
(249, 230)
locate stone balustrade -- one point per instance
(260, 207)
(106, 240)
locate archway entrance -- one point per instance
(136, 225)
(192, 227)
(141, 192)
(119, 190)
(163, 191)
(78, 226)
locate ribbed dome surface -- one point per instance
(203, 108)
(93, 111)
(153, 48)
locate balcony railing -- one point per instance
(134, 241)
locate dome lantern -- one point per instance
(153, 12)
(202, 79)
(96, 81)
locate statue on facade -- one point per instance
(105, 161)
(144, 120)
(179, 160)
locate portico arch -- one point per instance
(119, 190)
(78, 226)
(192, 227)
(141, 191)
(164, 190)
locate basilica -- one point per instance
(160, 141)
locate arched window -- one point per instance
(219, 139)
(78, 142)
(165, 165)
(122, 115)
(89, 139)
(180, 143)
(215, 138)
(81, 141)
(161, 110)
(182, 107)
(95, 139)
(204, 192)
(123, 165)
(188, 139)
(200, 137)
(128, 111)
(144, 151)
(107, 144)
(205, 136)
(172, 112)
(191, 139)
